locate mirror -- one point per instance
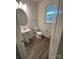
(22, 17)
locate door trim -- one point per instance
(19, 39)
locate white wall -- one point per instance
(35, 13)
(45, 28)
(31, 11)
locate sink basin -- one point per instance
(25, 30)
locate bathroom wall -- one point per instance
(45, 28)
(35, 13)
(31, 12)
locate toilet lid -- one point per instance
(39, 33)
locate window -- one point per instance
(50, 14)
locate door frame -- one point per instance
(19, 39)
(56, 33)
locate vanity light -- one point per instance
(21, 6)
(20, 3)
(24, 7)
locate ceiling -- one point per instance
(37, 1)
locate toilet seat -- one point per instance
(39, 35)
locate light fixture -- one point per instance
(21, 5)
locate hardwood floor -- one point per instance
(37, 48)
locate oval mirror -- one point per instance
(22, 17)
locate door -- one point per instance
(56, 32)
(18, 56)
(20, 41)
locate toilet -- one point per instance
(38, 32)
(39, 35)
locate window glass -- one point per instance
(51, 12)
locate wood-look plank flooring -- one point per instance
(37, 48)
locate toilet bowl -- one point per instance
(39, 35)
